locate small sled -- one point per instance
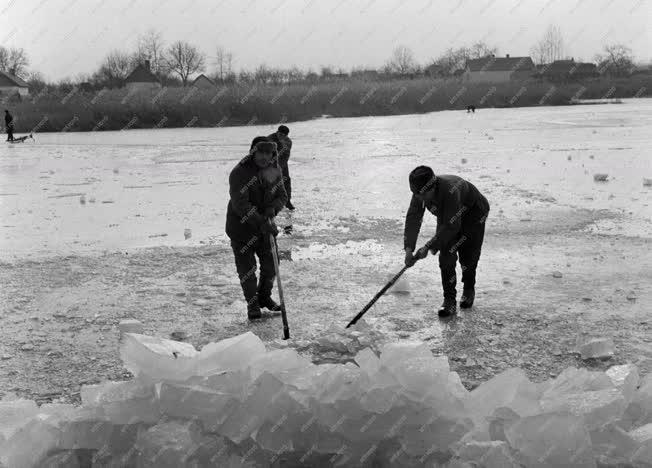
(21, 139)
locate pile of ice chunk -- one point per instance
(236, 403)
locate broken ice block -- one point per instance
(647, 182)
(510, 389)
(29, 444)
(552, 440)
(612, 446)
(368, 361)
(246, 417)
(597, 408)
(157, 358)
(67, 459)
(494, 454)
(394, 355)
(600, 177)
(574, 380)
(232, 353)
(643, 434)
(279, 362)
(643, 456)
(130, 326)
(499, 421)
(597, 348)
(83, 430)
(625, 378)
(165, 445)
(123, 402)
(191, 401)
(14, 414)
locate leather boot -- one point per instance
(448, 307)
(249, 290)
(468, 296)
(265, 295)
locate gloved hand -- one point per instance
(269, 228)
(409, 258)
(421, 253)
(270, 212)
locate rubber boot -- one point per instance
(466, 302)
(265, 300)
(448, 307)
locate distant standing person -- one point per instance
(256, 196)
(9, 124)
(461, 212)
(284, 145)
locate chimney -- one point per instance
(507, 56)
(146, 64)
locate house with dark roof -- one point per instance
(10, 84)
(203, 82)
(141, 78)
(562, 71)
(492, 69)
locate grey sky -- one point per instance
(68, 37)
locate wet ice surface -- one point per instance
(351, 194)
(144, 187)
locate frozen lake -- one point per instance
(144, 187)
(564, 255)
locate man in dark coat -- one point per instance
(9, 125)
(256, 196)
(284, 144)
(461, 212)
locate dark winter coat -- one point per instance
(284, 148)
(456, 202)
(9, 120)
(252, 190)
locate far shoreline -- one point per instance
(239, 105)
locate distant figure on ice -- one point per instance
(470, 108)
(284, 144)
(257, 195)
(461, 212)
(9, 125)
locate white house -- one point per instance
(142, 78)
(10, 84)
(493, 69)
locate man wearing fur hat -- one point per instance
(461, 212)
(284, 146)
(257, 194)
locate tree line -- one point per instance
(174, 64)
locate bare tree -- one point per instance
(453, 59)
(402, 61)
(151, 47)
(224, 61)
(184, 59)
(4, 59)
(14, 61)
(480, 50)
(114, 69)
(617, 60)
(550, 47)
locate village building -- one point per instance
(492, 69)
(10, 85)
(203, 82)
(142, 78)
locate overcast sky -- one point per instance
(66, 37)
